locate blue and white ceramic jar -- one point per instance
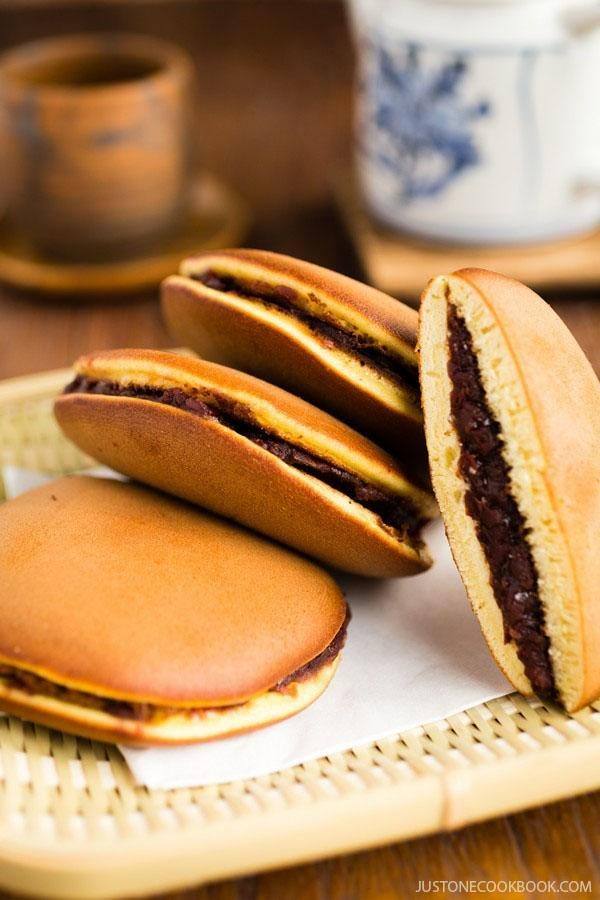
(479, 120)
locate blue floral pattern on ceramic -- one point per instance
(423, 126)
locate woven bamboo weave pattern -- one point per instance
(73, 822)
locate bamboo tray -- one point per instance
(74, 824)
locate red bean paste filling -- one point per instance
(500, 526)
(286, 298)
(396, 513)
(22, 680)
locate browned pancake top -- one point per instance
(115, 589)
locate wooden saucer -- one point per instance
(216, 217)
(402, 265)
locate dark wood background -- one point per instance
(273, 116)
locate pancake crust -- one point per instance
(116, 590)
(176, 728)
(277, 346)
(210, 464)
(546, 398)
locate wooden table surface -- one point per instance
(274, 119)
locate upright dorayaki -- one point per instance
(340, 344)
(251, 452)
(129, 616)
(512, 419)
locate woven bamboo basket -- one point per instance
(74, 824)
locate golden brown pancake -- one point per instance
(251, 452)
(127, 615)
(340, 344)
(512, 418)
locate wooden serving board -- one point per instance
(402, 265)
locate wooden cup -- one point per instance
(97, 140)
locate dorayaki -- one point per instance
(342, 345)
(512, 419)
(251, 452)
(129, 616)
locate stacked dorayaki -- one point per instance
(302, 435)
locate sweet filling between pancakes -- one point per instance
(285, 299)
(22, 680)
(396, 513)
(500, 526)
